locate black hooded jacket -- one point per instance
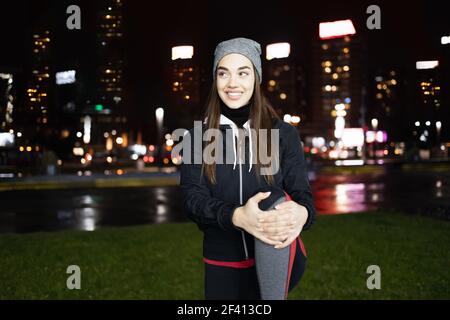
(211, 206)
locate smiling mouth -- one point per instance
(234, 95)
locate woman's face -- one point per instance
(235, 80)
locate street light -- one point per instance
(159, 113)
(374, 123)
(438, 132)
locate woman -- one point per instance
(228, 199)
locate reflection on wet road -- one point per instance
(410, 192)
(90, 209)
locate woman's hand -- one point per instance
(284, 223)
(246, 217)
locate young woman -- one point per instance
(244, 206)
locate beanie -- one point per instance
(247, 47)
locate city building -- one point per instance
(428, 109)
(337, 81)
(7, 101)
(38, 106)
(185, 83)
(283, 82)
(104, 124)
(386, 97)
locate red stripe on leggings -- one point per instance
(293, 249)
(302, 246)
(231, 264)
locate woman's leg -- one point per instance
(272, 267)
(299, 263)
(225, 283)
(278, 270)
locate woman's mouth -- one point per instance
(234, 95)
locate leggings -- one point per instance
(226, 283)
(275, 274)
(272, 267)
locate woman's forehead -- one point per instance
(235, 61)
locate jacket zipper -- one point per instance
(240, 193)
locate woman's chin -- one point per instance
(234, 104)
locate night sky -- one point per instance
(410, 31)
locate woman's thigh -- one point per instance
(224, 283)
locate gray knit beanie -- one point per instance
(247, 47)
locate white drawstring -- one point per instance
(235, 132)
(247, 125)
(234, 145)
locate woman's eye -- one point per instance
(243, 74)
(222, 74)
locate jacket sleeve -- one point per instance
(295, 175)
(199, 205)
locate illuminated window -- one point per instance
(278, 50)
(335, 29)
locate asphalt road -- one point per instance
(413, 192)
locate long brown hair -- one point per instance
(261, 117)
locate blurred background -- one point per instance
(86, 122)
(86, 115)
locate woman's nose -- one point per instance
(232, 82)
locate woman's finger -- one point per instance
(273, 215)
(288, 241)
(274, 231)
(267, 240)
(280, 237)
(271, 219)
(284, 205)
(279, 224)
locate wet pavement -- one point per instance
(89, 209)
